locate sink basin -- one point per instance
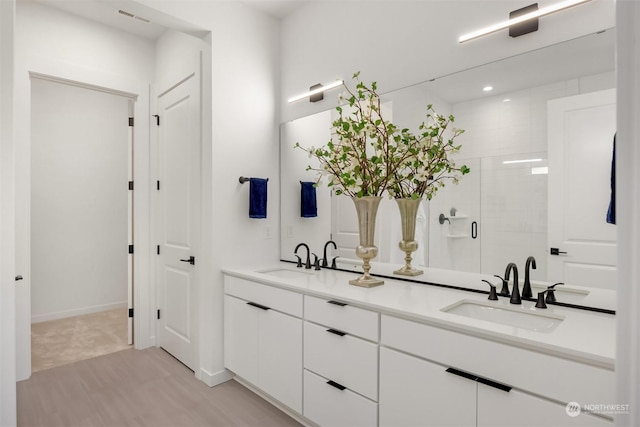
(517, 317)
(285, 273)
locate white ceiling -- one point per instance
(109, 12)
(276, 8)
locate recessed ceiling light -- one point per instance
(506, 100)
(487, 88)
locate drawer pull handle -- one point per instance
(481, 380)
(494, 384)
(341, 304)
(336, 385)
(463, 374)
(336, 332)
(261, 307)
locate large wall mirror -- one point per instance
(526, 193)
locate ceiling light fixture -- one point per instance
(522, 18)
(316, 91)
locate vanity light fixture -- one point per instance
(520, 19)
(509, 162)
(316, 92)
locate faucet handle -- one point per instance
(505, 287)
(493, 296)
(299, 264)
(540, 303)
(333, 262)
(551, 295)
(316, 262)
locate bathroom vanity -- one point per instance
(409, 354)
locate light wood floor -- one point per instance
(138, 388)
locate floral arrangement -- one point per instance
(369, 155)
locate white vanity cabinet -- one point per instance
(432, 376)
(363, 361)
(416, 392)
(341, 363)
(263, 338)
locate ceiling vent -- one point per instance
(131, 15)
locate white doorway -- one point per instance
(81, 205)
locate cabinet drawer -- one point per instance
(327, 405)
(354, 320)
(555, 377)
(350, 361)
(268, 296)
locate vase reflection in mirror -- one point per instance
(408, 212)
(367, 209)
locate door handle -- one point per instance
(556, 251)
(191, 260)
(19, 277)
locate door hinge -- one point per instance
(157, 119)
(158, 314)
(131, 312)
(130, 249)
(158, 250)
(131, 185)
(131, 121)
(158, 185)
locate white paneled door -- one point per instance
(582, 245)
(179, 139)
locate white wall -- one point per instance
(79, 200)
(628, 211)
(7, 251)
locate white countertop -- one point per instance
(584, 336)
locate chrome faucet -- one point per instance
(324, 254)
(515, 292)
(307, 264)
(526, 288)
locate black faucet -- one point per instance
(324, 254)
(493, 296)
(551, 295)
(307, 264)
(316, 262)
(526, 288)
(504, 292)
(515, 292)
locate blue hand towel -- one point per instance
(308, 202)
(611, 212)
(257, 198)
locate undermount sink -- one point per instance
(517, 317)
(285, 273)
